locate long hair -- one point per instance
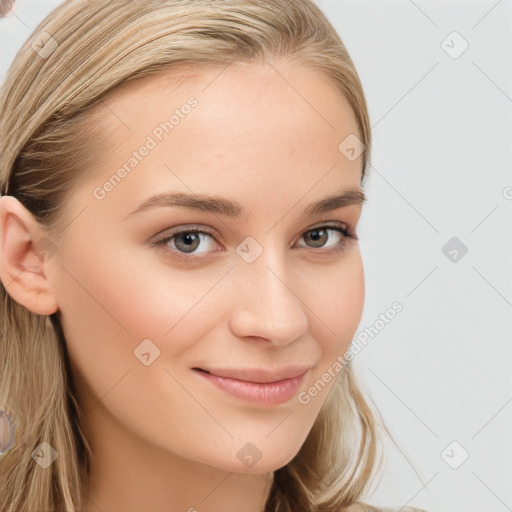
(83, 51)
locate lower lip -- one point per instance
(271, 393)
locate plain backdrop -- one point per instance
(436, 237)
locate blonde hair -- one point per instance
(92, 48)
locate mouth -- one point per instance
(257, 375)
(257, 386)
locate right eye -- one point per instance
(184, 241)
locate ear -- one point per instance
(25, 250)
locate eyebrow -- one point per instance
(231, 208)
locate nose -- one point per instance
(267, 302)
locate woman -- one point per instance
(181, 184)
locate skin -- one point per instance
(164, 439)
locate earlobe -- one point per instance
(25, 250)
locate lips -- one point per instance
(258, 375)
(257, 386)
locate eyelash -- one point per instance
(162, 241)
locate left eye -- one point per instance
(186, 241)
(319, 235)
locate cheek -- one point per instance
(337, 303)
(137, 295)
(348, 299)
(108, 308)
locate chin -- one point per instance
(251, 460)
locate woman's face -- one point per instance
(258, 289)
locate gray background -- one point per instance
(440, 371)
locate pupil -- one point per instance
(187, 241)
(317, 234)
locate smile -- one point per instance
(257, 386)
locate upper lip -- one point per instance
(259, 375)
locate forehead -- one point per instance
(253, 129)
(237, 91)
